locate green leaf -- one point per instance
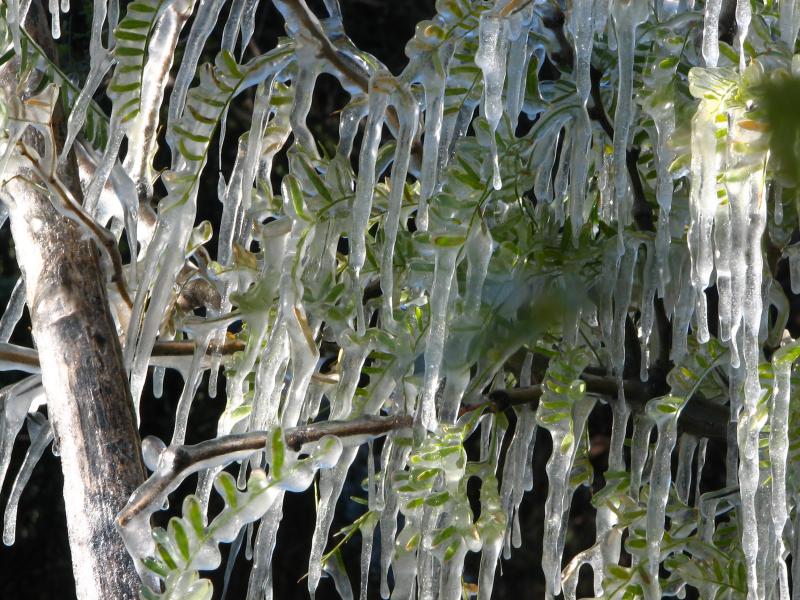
(277, 457)
(178, 534)
(193, 514)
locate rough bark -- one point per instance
(88, 398)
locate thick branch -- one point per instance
(84, 379)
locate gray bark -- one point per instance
(88, 398)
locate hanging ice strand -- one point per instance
(743, 17)
(660, 105)
(711, 32)
(779, 451)
(582, 25)
(379, 89)
(745, 186)
(491, 58)
(627, 15)
(703, 203)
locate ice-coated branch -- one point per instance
(17, 358)
(13, 357)
(68, 206)
(700, 417)
(187, 459)
(298, 14)
(351, 73)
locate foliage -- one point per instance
(553, 207)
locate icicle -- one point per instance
(703, 201)
(55, 18)
(647, 308)
(606, 518)
(232, 26)
(683, 475)
(269, 380)
(367, 529)
(559, 493)
(711, 32)
(627, 15)
(490, 554)
(191, 383)
(367, 532)
(330, 488)
(355, 352)
(433, 80)
(365, 185)
(491, 58)
(15, 18)
(743, 17)
(519, 55)
(622, 301)
(722, 243)
(445, 265)
(77, 116)
(789, 22)
(779, 444)
(204, 21)
(682, 314)
(408, 115)
(303, 93)
(701, 461)
(41, 434)
(260, 584)
(661, 107)
(248, 22)
(752, 197)
(13, 311)
(566, 432)
(793, 254)
(516, 466)
(581, 23)
(640, 448)
(143, 129)
(17, 400)
(336, 569)
(394, 461)
(91, 196)
(664, 412)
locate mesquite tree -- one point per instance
(555, 206)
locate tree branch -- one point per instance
(699, 417)
(84, 379)
(182, 461)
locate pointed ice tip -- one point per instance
(497, 183)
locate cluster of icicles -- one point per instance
(287, 292)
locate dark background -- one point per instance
(38, 566)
